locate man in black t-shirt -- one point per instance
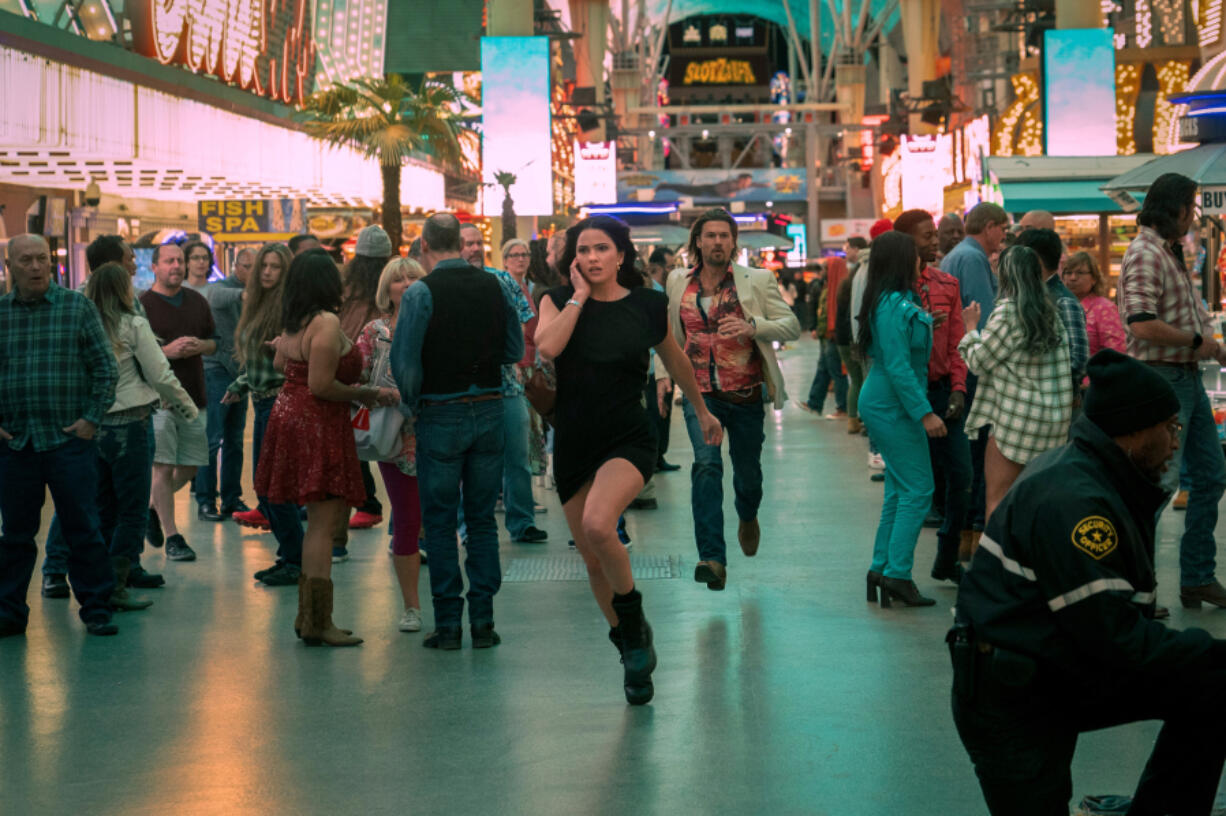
(183, 323)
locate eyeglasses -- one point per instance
(516, 255)
(1174, 428)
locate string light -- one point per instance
(1025, 94)
(1145, 23)
(1172, 79)
(1207, 16)
(1170, 21)
(1127, 87)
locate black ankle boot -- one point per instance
(615, 637)
(896, 589)
(638, 654)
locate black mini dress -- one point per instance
(600, 413)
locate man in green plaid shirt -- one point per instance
(57, 379)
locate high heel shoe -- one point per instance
(905, 591)
(873, 580)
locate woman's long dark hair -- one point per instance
(1021, 280)
(312, 285)
(891, 268)
(260, 319)
(361, 281)
(617, 230)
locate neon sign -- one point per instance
(262, 46)
(720, 72)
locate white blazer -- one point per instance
(758, 293)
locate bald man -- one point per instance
(1038, 219)
(57, 380)
(950, 233)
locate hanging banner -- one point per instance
(712, 186)
(595, 172)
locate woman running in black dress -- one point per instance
(599, 331)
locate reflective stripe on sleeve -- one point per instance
(1086, 590)
(1008, 563)
(1144, 597)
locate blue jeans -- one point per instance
(1205, 475)
(743, 428)
(284, 519)
(461, 443)
(516, 474)
(70, 472)
(952, 454)
(225, 427)
(124, 478)
(829, 368)
(977, 509)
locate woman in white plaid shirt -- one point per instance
(1022, 360)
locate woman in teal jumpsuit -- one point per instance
(896, 332)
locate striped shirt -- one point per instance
(56, 366)
(1154, 282)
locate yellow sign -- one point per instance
(719, 72)
(233, 216)
(1095, 536)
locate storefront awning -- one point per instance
(1058, 197)
(669, 235)
(759, 239)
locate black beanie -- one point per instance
(1125, 395)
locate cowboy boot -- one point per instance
(320, 628)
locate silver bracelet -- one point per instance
(573, 302)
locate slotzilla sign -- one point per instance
(1213, 200)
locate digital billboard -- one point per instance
(516, 124)
(1079, 94)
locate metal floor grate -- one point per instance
(570, 568)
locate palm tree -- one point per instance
(388, 120)
(506, 181)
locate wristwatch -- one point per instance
(1197, 340)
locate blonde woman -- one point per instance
(258, 325)
(400, 472)
(520, 516)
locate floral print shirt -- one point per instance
(375, 345)
(1103, 325)
(720, 363)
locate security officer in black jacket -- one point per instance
(1054, 631)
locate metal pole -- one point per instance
(813, 223)
(815, 36)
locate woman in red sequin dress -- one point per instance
(309, 456)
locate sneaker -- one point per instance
(259, 574)
(153, 530)
(251, 518)
(177, 549)
(622, 535)
(808, 409)
(410, 621)
(837, 415)
(340, 554)
(571, 544)
(875, 462)
(362, 520)
(532, 535)
(285, 575)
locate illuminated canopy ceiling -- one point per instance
(768, 10)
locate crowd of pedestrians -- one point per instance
(960, 359)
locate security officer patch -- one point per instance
(1095, 536)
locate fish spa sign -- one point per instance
(261, 46)
(252, 220)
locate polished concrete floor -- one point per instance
(785, 694)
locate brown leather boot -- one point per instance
(319, 627)
(966, 546)
(854, 425)
(749, 534)
(121, 600)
